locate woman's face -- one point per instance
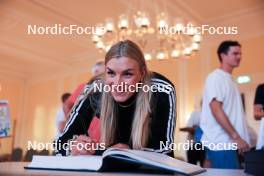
(122, 71)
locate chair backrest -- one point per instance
(29, 155)
(43, 152)
(17, 154)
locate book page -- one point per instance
(92, 163)
(158, 160)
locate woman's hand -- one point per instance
(83, 145)
(120, 146)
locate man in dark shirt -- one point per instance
(259, 114)
(259, 102)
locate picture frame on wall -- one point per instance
(5, 122)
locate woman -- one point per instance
(136, 118)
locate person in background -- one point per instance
(194, 134)
(222, 121)
(60, 116)
(259, 114)
(130, 118)
(97, 70)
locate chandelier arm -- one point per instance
(165, 7)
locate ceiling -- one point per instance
(26, 56)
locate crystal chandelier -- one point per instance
(159, 38)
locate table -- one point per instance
(17, 168)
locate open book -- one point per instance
(115, 159)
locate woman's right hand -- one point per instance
(83, 145)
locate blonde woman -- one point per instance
(139, 111)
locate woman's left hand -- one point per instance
(120, 146)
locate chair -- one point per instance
(29, 155)
(17, 154)
(43, 152)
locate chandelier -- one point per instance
(158, 37)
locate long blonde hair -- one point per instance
(140, 127)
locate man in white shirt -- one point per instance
(195, 155)
(222, 120)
